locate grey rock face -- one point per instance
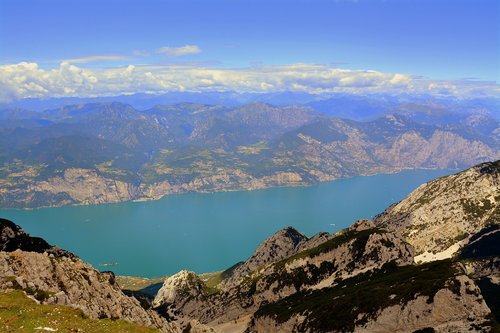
(70, 281)
(443, 212)
(281, 245)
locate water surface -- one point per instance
(210, 231)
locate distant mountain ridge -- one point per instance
(109, 152)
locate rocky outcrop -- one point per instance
(177, 287)
(440, 216)
(69, 281)
(12, 237)
(55, 276)
(277, 269)
(87, 187)
(442, 150)
(281, 245)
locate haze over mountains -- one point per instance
(110, 151)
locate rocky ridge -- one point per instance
(441, 215)
(414, 300)
(279, 272)
(297, 284)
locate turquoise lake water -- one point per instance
(207, 232)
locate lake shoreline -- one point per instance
(210, 232)
(226, 190)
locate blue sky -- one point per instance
(435, 39)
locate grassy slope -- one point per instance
(20, 314)
(137, 283)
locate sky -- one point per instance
(53, 48)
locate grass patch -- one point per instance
(136, 283)
(20, 314)
(211, 284)
(330, 245)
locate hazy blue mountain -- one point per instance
(350, 106)
(202, 147)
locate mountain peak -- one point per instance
(285, 240)
(177, 286)
(282, 244)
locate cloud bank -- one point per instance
(28, 80)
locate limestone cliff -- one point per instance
(240, 153)
(439, 216)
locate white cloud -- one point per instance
(180, 51)
(23, 80)
(95, 58)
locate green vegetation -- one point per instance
(355, 300)
(20, 314)
(494, 217)
(475, 209)
(136, 283)
(340, 239)
(491, 167)
(212, 282)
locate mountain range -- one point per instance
(429, 263)
(109, 151)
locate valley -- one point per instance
(363, 278)
(249, 166)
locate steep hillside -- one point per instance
(361, 248)
(25, 315)
(364, 278)
(54, 276)
(435, 297)
(442, 214)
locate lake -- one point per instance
(207, 232)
